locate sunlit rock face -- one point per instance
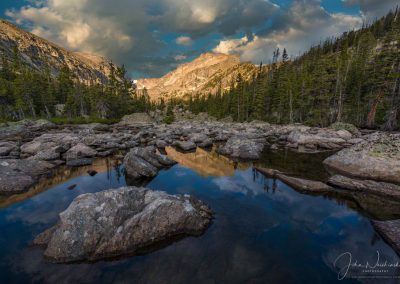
(203, 75)
(206, 163)
(39, 54)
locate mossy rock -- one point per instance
(345, 126)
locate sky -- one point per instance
(152, 37)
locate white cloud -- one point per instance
(304, 24)
(184, 40)
(131, 31)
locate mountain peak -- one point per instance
(38, 54)
(203, 75)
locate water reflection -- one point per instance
(264, 231)
(64, 174)
(206, 163)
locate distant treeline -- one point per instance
(354, 78)
(26, 93)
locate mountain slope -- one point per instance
(39, 54)
(202, 76)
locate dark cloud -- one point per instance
(132, 31)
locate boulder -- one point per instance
(7, 147)
(390, 232)
(120, 222)
(322, 139)
(241, 147)
(198, 138)
(136, 167)
(17, 176)
(79, 151)
(50, 154)
(185, 145)
(377, 158)
(369, 186)
(136, 118)
(345, 126)
(145, 163)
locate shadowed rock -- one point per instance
(390, 232)
(369, 186)
(304, 185)
(120, 222)
(145, 163)
(17, 176)
(185, 145)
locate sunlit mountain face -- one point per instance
(152, 37)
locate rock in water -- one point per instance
(378, 158)
(384, 189)
(390, 232)
(243, 148)
(17, 176)
(120, 222)
(145, 163)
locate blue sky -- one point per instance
(151, 37)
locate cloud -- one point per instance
(184, 40)
(305, 23)
(373, 9)
(135, 32)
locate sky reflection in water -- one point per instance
(263, 230)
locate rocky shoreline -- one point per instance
(365, 162)
(47, 145)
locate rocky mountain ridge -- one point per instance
(204, 75)
(39, 54)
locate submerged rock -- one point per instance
(390, 232)
(379, 188)
(120, 222)
(377, 158)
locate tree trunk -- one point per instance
(372, 112)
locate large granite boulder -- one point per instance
(120, 222)
(376, 158)
(241, 147)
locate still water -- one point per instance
(263, 232)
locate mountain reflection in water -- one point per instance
(207, 163)
(264, 231)
(64, 174)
